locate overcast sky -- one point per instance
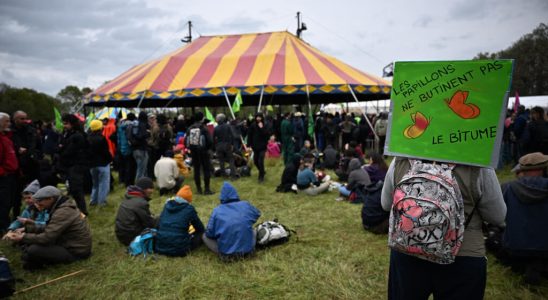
(46, 45)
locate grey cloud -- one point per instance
(470, 10)
(423, 21)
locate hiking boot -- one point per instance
(208, 192)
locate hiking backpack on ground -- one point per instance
(143, 243)
(427, 216)
(270, 233)
(7, 281)
(195, 138)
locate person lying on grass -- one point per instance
(179, 227)
(230, 230)
(66, 237)
(134, 213)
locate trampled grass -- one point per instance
(331, 257)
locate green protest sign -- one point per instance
(449, 111)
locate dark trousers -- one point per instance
(258, 159)
(127, 170)
(75, 178)
(200, 161)
(225, 155)
(36, 255)
(7, 194)
(414, 278)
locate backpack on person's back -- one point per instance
(427, 217)
(195, 138)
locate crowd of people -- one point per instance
(151, 151)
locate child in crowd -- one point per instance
(178, 155)
(31, 216)
(273, 148)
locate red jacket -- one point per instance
(8, 159)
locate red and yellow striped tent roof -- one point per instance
(278, 64)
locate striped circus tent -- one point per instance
(275, 66)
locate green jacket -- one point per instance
(67, 227)
(132, 218)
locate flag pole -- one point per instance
(363, 113)
(228, 103)
(260, 100)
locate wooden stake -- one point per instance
(49, 281)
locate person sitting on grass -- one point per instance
(31, 216)
(179, 157)
(66, 237)
(330, 157)
(357, 178)
(230, 230)
(376, 167)
(179, 227)
(289, 176)
(134, 213)
(308, 182)
(168, 176)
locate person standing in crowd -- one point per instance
(165, 135)
(24, 143)
(8, 171)
(167, 174)
(299, 131)
(346, 128)
(66, 237)
(179, 227)
(138, 136)
(153, 144)
(99, 164)
(519, 131)
(259, 132)
(134, 214)
(127, 162)
(415, 278)
(538, 132)
(74, 158)
(224, 141)
(331, 132)
(199, 142)
(229, 231)
(380, 129)
(288, 147)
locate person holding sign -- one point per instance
(445, 131)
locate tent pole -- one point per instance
(228, 103)
(169, 102)
(141, 100)
(365, 116)
(260, 100)
(310, 115)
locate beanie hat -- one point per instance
(186, 193)
(144, 183)
(32, 188)
(95, 125)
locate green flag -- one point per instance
(58, 122)
(89, 118)
(237, 102)
(269, 108)
(209, 116)
(310, 124)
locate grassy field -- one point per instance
(331, 258)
